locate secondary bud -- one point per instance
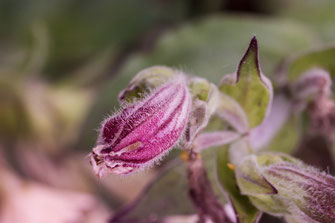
(143, 132)
(281, 185)
(146, 80)
(312, 85)
(204, 102)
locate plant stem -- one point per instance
(201, 192)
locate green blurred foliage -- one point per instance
(317, 15)
(287, 138)
(320, 58)
(79, 30)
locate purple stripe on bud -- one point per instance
(303, 193)
(144, 131)
(312, 191)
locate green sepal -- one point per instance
(146, 80)
(250, 178)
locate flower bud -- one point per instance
(144, 131)
(281, 185)
(312, 85)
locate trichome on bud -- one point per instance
(281, 185)
(142, 132)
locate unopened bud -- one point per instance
(314, 84)
(299, 192)
(204, 102)
(144, 131)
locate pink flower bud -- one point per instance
(312, 191)
(282, 185)
(144, 131)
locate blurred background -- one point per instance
(63, 62)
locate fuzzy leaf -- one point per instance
(239, 149)
(249, 87)
(211, 139)
(262, 135)
(250, 179)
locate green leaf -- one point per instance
(322, 58)
(246, 212)
(200, 88)
(287, 137)
(249, 87)
(280, 131)
(229, 110)
(146, 80)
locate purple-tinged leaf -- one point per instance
(239, 149)
(262, 135)
(211, 139)
(143, 132)
(229, 110)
